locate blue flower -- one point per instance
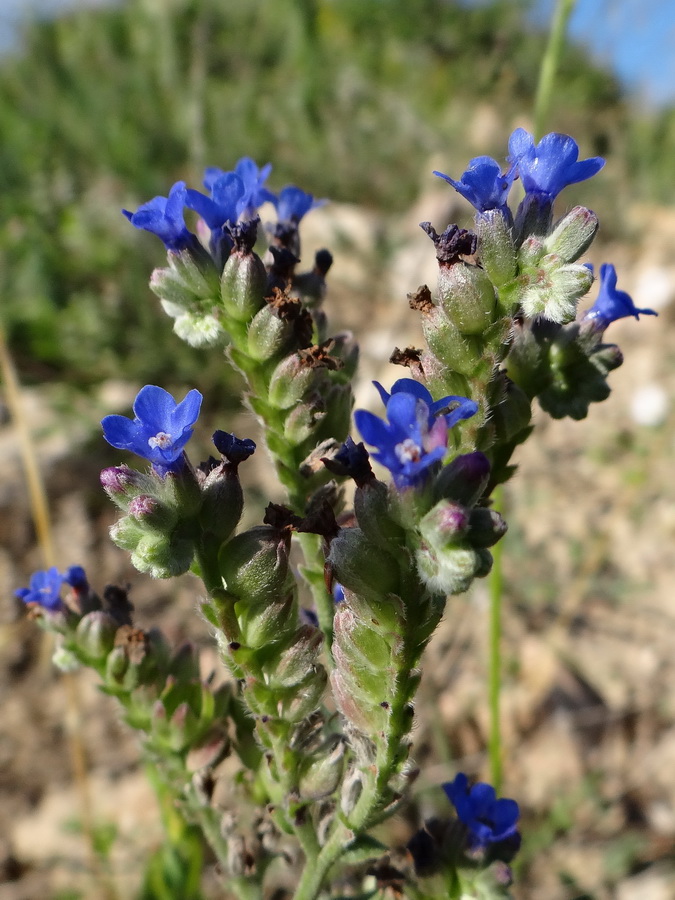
(293, 203)
(253, 180)
(226, 203)
(487, 819)
(612, 304)
(45, 588)
(551, 165)
(483, 184)
(416, 434)
(163, 216)
(76, 577)
(160, 430)
(234, 449)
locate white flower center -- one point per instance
(408, 451)
(162, 440)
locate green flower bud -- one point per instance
(242, 285)
(361, 566)
(320, 775)
(451, 571)
(269, 335)
(459, 352)
(372, 509)
(554, 289)
(151, 514)
(116, 665)
(362, 646)
(467, 297)
(254, 565)
(126, 533)
(307, 696)
(513, 414)
(291, 380)
(181, 491)
(367, 718)
(265, 624)
(162, 556)
(302, 421)
(573, 234)
(95, 634)
(295, 663)
(199, 330)
(223, 501)
(496, 249)
(174, 295)
(531, 252)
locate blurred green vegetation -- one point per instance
(105, 108)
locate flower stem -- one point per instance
(496, 587)
(549, 64)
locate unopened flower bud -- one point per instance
(95, 634)
(451, 571)
(467, 297)
(242, 285)
(459, 352)
(373, 513)
(464, 479)
(361, 566)
(162, 556)
(445, 524)
(553, 290)
(223, 501)
(298, 659)
(268, 335)
(152, 514)
(495, 246)
(486, 527)
(290, 381)
(321, 773)
(122, 484)
(573, 234)
(126, 533)
(308, 697)
(116, 666)
(254, 564)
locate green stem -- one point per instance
(556, 39)
(323, 599)
(313, 875)
(494, 657)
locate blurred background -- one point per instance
(104, 105)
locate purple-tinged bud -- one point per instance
(573, 234)
(445, 524)
(486, 527)
(95, 635)
(122, 484)
(152, 514)
(530, 253)
(235, 450)
(464, 479)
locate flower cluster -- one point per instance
(416, 434)
(233, 196)
(545, 169)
